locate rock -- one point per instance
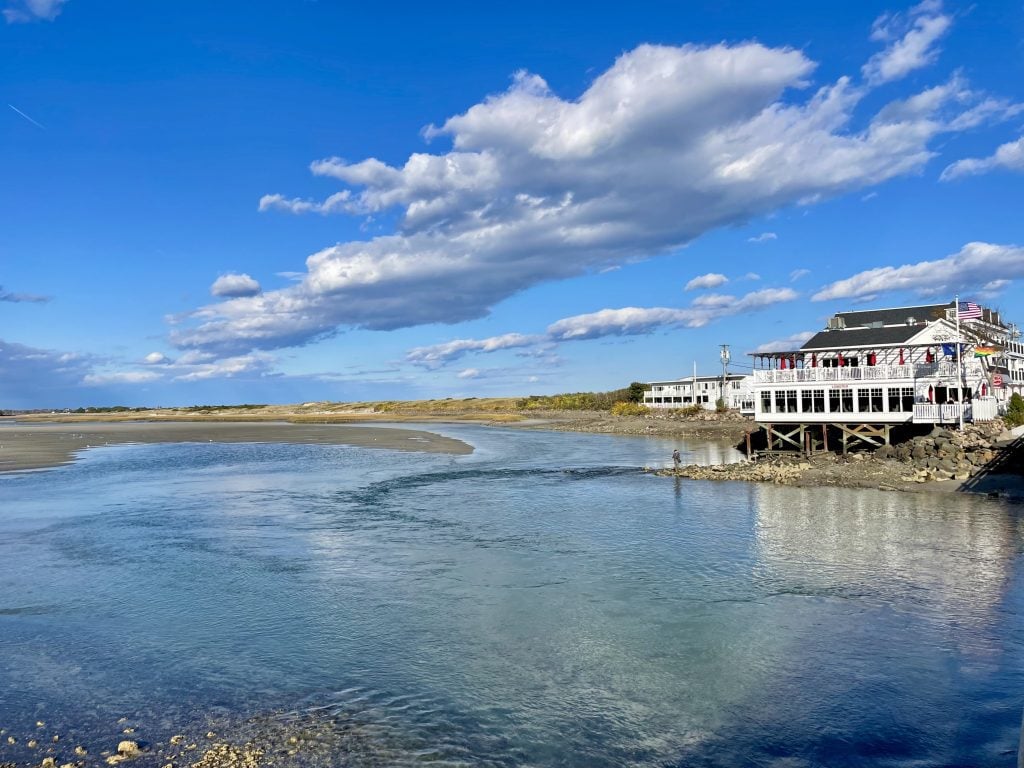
(940, 432)
(947, 466)
(129, 748)
(176, 739)
(961, 475)
(918, 452)
(885, 452)
(32, 744)
(48, 762)
(81, 751)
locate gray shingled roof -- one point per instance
(862, 337)
(895, 316)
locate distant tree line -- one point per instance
(585, 401)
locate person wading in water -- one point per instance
(675, 459)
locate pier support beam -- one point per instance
(875, 435)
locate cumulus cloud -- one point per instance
(119, 377)
(22, 11)
(20, 298)
(710, 280)
(973, 266)
(234, 285)
(439, 354)
(911, 41)
(796, 274)
(469, 373)
(256, 363)
(764, 237)
(1009, 156)
(667, 144)
(784, 345)
(156, 358)
(630, 321)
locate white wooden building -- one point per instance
(871, 370)
(703, 391)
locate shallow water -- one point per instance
(539, 602)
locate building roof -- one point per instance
(861, 337)
(925, 313)
(700, 379)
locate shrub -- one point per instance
(720, 406)
(636, 392)
(629, 409)
(1015, 411)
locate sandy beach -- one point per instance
(39, 446)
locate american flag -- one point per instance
(968, 310)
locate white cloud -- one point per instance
(752, 276)
(764, 237)
(256, 363)
(119, 377)
(630, 321)
(468, 373)
(667, 144)
(1009, 156)
(234, 285)
(439, 354)
(21, 11)
(156, 358)
(912, 42)
(784, 345)
(796, 274)
(710, 280)
(974, 266)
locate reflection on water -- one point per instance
(539, 602)
(952, 554)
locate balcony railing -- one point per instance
(858, 373)
(933, 413)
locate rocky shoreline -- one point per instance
(983, 458)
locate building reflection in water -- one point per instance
(949, 555)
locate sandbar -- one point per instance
(39, 446)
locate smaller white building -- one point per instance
(703, 391)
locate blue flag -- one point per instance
(948, 350)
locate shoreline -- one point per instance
(34, 445)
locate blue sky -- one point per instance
(301, 200)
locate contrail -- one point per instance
(37, 125)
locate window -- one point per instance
(780, 401)
(791, 401)
(901, 399)
(677, 399)
(766, 401)
(735, 385)
(840, 400)
(818, 400)
(870, 400)
(812, 401)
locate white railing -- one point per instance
(846, 373)
(934, 413)
(985, 409)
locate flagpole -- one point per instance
(959, 361)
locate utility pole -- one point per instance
(725, 356)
